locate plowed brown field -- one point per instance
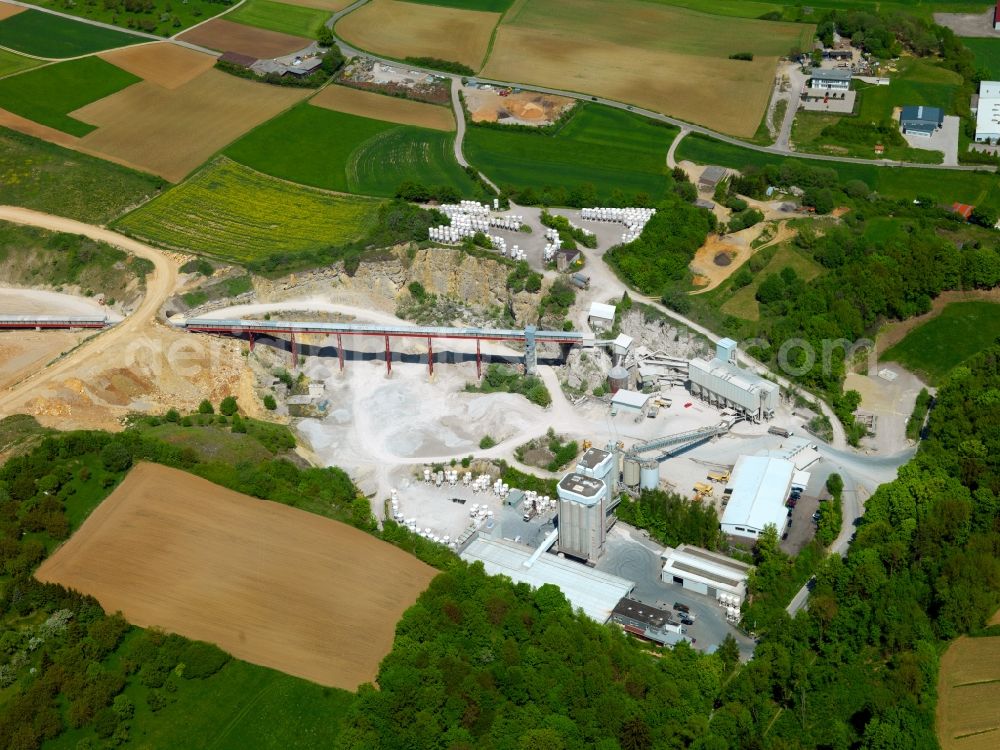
(226, 36)
(7, 10)
(400, 29)
(382, 107)
(968, 694)
(163, 63)
(271, 584)
(170, 132)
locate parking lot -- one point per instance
(632, 556)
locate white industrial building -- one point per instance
(586, 498)
(837, 79)
(987, 111)
(723, 383)
(757, 490)
(628, 401)
(705, 572)
(601, 315)
(594, 592)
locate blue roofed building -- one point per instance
(920, 120)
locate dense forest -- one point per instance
(672, 519)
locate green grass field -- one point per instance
(917, 82)
(944, 186)
(807, 135)
(606, 147)
(46, 177)
(48, 94)
(347, 153)
(161, 17)
(960, 331)
(288, 19)
(11, 62)
(492, 6)
(46, 35)
(987, 53)
(231, 212)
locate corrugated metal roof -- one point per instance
(630, 399)
(601, 310)
(594, 592)
(760, 485)
(707, 567)
(837, 74)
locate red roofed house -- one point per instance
(962, 208)
(996, 18)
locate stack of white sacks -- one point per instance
(634, 219)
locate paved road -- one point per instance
(159, 286)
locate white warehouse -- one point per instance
(705, 572)
(722, 383)
(757, 491)
(987, 112)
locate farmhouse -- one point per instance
(705, 572)
(963, 209)
(757, 491)
(921, 121)
(833, 80)
(987, 111)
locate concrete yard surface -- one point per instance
(270, 584)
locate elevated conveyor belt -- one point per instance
(31, 322)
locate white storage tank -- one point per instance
(649, 475)
(631, 472)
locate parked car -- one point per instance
(681, 607)
(816, 516)
(687, 621)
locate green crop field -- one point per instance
(605, 147)
(46, 177)
(491, 6)
(943, 186)
(161, 17)
(230, 211)
(46, 35)
(288, 19)
(987, 53)
(48, 94)
(338, 151)
(11, 62)
(961, 330)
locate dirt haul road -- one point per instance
(159, 286)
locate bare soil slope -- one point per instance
(273, 585)
(227, 36)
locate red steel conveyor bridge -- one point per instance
(530, 337)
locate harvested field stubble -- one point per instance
(168, 65)
(271, 584)
(186, 125)
(968, 692)
(226, 36)
(666, 59)
(401, 29)
(381, 107)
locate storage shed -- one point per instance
(601, 315)
(630, 401)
